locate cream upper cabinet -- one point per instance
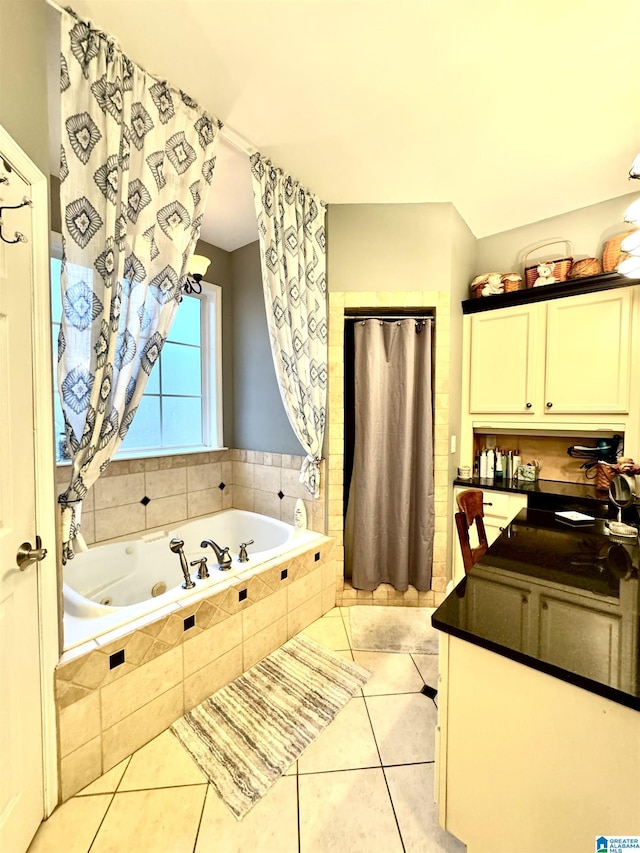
(567, 356)
(503, 352)
(588, 353)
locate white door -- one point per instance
(23, 725)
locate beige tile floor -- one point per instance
(365, 785)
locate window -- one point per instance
(181, 408)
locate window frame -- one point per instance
(211, 372)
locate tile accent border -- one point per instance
(104, 714)
(439, 302)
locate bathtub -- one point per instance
(139, 580)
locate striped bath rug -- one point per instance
(248, 733)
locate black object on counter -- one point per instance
(561, 599)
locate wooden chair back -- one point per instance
(470, 506)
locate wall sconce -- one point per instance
(630, 265)
(198, 266)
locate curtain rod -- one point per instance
(228, 134)
(356, 317)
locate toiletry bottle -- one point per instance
(491, 462)
(517, 460)
(483, 465)
(300, 515)
(498, 471)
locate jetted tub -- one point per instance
(124, 580)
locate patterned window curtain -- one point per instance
(293, 258)
(137, 161)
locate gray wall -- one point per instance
(374, 247)
(23, 77)
(588, 229)
(260, 421)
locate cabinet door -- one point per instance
(498, 611)
(501, 369)
(581, 639)
(588, 353)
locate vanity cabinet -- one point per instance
(579, 632)
(568, 356)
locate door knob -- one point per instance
(27, 555)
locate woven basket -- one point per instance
(605, 472)
(560, 270)
(584, 268)
(511, 282)
(611, 254)
(478, 284)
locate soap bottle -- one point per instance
(491, 463)
(300, 515)
(517, 459)
(498, 471)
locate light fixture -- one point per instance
(633, 213)
(198, 266)
(629, 266)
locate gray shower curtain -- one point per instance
(390, 513)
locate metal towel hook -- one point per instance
(19, 237)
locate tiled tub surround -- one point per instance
(141, 494)
(116, 693)
(420, 301)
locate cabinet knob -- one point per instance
(529, 405)
(549, 405)
(545, 606)
(525, 600)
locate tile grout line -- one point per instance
(104, 817)
(298, 808)
(367, 767)
(384, 776)
(204, 803)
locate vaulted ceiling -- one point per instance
(513, 111)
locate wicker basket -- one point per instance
(611, 254)
(511, 282)
(584, 268)
(561, 269)
(605, 472)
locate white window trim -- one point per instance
(211, 347)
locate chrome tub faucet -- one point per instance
(222, 554)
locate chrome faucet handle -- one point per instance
(201, 563)
(242, 556)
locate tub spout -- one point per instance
(222, 554)
(177, 546)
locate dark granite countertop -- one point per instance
(561, 598)
(555, 488)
